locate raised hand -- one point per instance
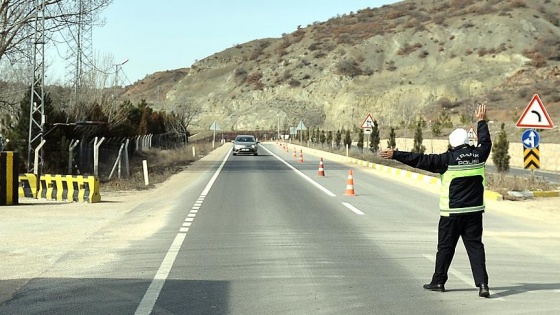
(480, 112)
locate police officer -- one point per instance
(461, 201)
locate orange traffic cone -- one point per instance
(300, 160)
(294, 154)
(321, 171)
(350, 185)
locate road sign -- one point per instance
(368, 122)
(472, 136)
(530, 139)
(214, 126)
(535, 116)
(301, 126)
(531, 158)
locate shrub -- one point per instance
(348, 68)
(407, 49)
(418, 147)
(294, 83)
(500, 155)
(518, 4)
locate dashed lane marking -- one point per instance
(354, 209)
(150, 297)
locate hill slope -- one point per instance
(398, 62)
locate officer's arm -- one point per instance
(435, 163)
(484, 140)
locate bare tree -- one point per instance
(11, 89)
(17, 18)
(184, 112)
(408, 107)
(94, 92)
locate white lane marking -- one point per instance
(466, 279)
(186, 224)
(150, 297)
(314, 183)
(354, 209)
(194, 211)
(191, 215)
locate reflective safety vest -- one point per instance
(470, 190)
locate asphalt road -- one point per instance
(266, 235)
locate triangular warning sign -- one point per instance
(368, 122)
(535, 116)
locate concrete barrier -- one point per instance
(28, 185)
(9, 178)
(69, 188)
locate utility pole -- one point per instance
(37, 106)
(80, 50)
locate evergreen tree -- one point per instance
(436, 128)
(55, 137)
(322, 138)
(374, 138)
(348, 139)
(329, 138)
(360, 143)
(500, 149)
(338, 139)
(392, 142)
(418, 147)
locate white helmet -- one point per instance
(458, 137)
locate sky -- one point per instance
(171, 34)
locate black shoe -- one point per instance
(434, 287)
(484, 291)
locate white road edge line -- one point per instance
(354, 209)
(150, 297)
(314, 183)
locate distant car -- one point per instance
(245, 144)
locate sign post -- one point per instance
(534, 116)
(367, 126)
(301, 127)
(214, 127)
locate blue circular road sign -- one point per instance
(530, 139)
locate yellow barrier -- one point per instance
(70, 188)
(8, 178)
(28, 185)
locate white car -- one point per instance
(247, 144)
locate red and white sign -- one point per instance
(368, 122)
(472, 135)
(535, 116)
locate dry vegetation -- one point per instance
(162, 164)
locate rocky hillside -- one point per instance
(415, 58)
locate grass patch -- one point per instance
(162, 164)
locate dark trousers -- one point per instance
(469, 228)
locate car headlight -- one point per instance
(253, 146)
(237, 146)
